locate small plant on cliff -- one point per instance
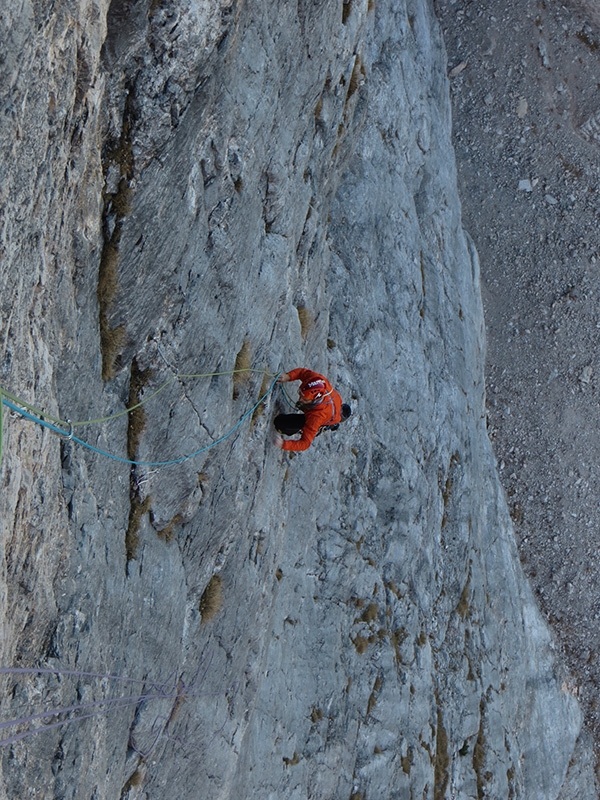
(306, 320)
(243, 362)
(212, 598)
(264, 386)
(168, 532)
(132, 535)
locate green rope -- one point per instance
(69, 435)
(287, 397)
(40, 413)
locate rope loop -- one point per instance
(21, 409)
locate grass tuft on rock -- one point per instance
(132, 537)
(135, 780)
(138, 379)
(168, 532)
(260, 410)
(306, 320)
(442, 760)
(211, 601)
(243, 363)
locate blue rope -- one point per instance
(289, 402)
(180, 460)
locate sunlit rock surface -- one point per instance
(188, 187)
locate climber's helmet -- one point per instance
(312, 394)
(310, 400)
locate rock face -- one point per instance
(191, 188)
(529, 124)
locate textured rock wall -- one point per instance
(192, 184)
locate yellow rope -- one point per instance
(40, 413)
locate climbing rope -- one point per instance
(40, 413)
(27, 411)
(287, 397)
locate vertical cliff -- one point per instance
(192, 188)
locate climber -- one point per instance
(321, 407)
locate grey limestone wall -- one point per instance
(188, 186)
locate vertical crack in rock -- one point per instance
(139, 507)
(442, 759)
(118, 194)
(479, 753)
(295, 205)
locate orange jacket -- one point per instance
(328, 412)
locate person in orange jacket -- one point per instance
(321, 408)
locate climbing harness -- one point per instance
(55, 425)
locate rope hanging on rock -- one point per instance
(27, 411)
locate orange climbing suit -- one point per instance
(327, 412)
